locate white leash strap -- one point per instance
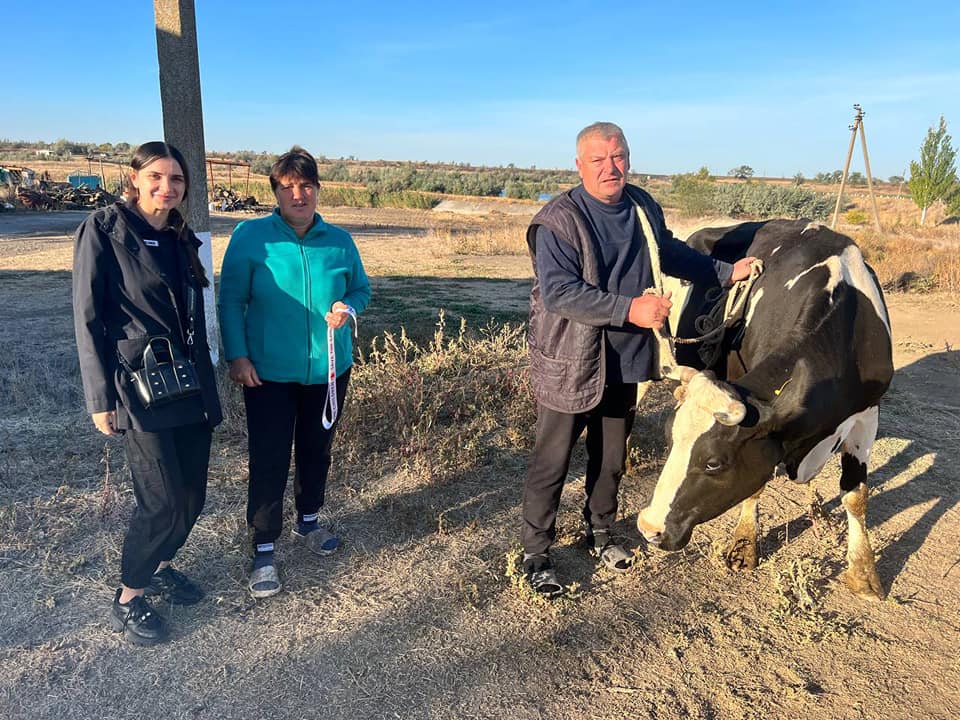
(665, 365)
(331, 401)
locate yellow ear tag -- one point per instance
(780, 390)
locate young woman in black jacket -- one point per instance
(137, 276)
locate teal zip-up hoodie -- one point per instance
(275, 290)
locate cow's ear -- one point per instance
(755, 416)
(733, 414)
(764, 417)
(718, 399)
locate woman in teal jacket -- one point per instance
(287, 278)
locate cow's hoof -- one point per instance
(742, 554)
(864, 585)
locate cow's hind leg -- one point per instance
(861, 573)
(744, 549)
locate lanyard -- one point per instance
(331, 401)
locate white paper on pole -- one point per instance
(209, 296)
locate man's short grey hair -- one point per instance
(606, 130)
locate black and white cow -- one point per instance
(802, 380)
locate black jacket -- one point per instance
(567, 351)
(121, 298)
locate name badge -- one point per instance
(151, 243)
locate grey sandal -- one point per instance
(264, 581)
(541, 576)
(613, 555)
(318, 540)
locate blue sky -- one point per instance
(770, 85)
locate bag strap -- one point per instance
(150, 357)
(191, 315)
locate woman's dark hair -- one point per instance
(296, 162)
(142, 157)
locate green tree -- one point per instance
(743, 172)
(262, 163)
(953, 202)
(935, 176)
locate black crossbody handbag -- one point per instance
(167, 375)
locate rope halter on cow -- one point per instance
(729, 307)
(711, 327)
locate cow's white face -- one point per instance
(712, 465)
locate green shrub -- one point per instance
(692, 194)
(856, 217)
(763, 200)
(406, 199)
(344, 196)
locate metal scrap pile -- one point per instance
(35, 199)
(63, 196)
(226, 200)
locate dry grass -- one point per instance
(494, 239)
(918, 259)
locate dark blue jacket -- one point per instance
(572, 310)
(121, 298)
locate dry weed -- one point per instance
(502, 239)
(909, 260)
(799, 602)
(439, 408)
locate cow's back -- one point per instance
(817, 319)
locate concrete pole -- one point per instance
(183, 126)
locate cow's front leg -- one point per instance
(744, 549)
(861, 573)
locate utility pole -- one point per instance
(857, 127)
(183, 125)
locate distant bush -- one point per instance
(698, 195)
(344, 196)
(482, 182)
(362, 197)
(405, 199)
(261, 164)
(338, 196)
(763, 200)
(692, 194)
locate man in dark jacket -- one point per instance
(591, 339)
